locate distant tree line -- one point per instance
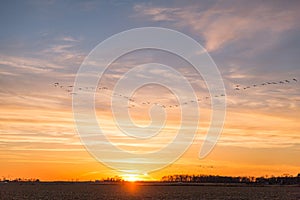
(281, 180)
(111, 179)
(20, 180)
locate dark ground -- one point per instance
(143, 191)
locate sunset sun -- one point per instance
(132, 178)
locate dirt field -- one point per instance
(135, 191)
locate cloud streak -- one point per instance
(225, 22)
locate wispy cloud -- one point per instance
(69, 39)
(224, 22)
(65, 51)
(33, 65)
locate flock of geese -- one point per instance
(238, 87)
(134, 103)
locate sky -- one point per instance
(251, 43)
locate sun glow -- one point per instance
(131, 178)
